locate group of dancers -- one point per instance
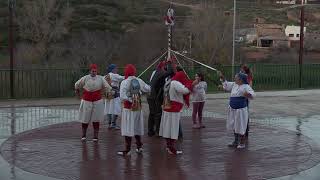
(111, 96)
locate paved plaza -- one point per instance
(40, 140)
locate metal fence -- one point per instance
(19, 119)
(43, 83)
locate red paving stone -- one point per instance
(56, 151)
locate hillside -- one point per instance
(129, 29)
(119, 19)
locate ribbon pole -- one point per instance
(180, 64)
(195, 61)
(152, 64)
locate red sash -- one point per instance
(175, 107)
(127, 104)
(91, 96)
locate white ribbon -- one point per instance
(181, 65)
(153, 64)
(175, 52)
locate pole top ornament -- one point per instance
(169, 18)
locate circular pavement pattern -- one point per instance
(56, 151)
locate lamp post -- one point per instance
(234, 34)
(11, 4)
(301, 42)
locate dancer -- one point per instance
(246, 70)
(155, 99)
(113, 103)
(91, 107)
(198, 100)
(238, 112)
(132, 116)
(176, 94)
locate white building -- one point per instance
(293, 32)
(287, 2)
(295, 1)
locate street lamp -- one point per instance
(11, 5)
(234, 34)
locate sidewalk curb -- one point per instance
(69, 101)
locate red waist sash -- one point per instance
(91, 96)
(127, 104)
(175, 107)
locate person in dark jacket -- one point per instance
(155, 99)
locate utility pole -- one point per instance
(11, 4)
(301, 43)
(190, 43)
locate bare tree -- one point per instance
(26, 54)
(212, 35)
(92, 47)
(43, 23)
(141, 46)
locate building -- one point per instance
(305, 1)
(287, 2)
(309, 2)
(248, 35)
(313, 2)
(293, 32)
(291, 2)
(271, 35)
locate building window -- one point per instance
(298, 35)
(266, 43)
(291, 35)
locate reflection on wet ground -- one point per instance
(19, 119)
(15, 120)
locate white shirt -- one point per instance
(199, 92)
(236, 90)
(125, 88)
(115, 79)
(177, 90)
(91, 84)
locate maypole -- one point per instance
(171, 54)
(169, 22)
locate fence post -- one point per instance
(300, 75)
(11, 6)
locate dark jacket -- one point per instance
(157, 83)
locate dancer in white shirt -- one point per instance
(112, 108)
(176, 95)
(91, 107)
(238, 107)
(132, 124)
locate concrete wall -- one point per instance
(293, 32)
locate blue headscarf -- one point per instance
(111, 67)
(243, 77)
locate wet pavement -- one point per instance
(284, 143)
